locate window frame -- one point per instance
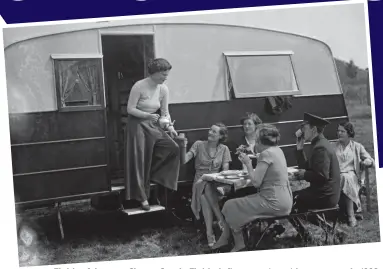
(74, 57)
(234, 94)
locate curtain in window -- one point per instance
(88, 76)
(67, 78)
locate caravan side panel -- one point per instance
(55, 154)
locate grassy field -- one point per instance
(94, 236)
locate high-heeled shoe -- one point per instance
(211, 240)
(145, 207)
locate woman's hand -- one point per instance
(185, 142)
(153, 117)
(172, 131)
(244, 159)
(367, 163)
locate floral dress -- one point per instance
(205, 164)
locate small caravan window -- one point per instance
(252, 74)
(78, 81)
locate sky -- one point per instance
(342, 27)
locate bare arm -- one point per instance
(225, 166)
(165, 102)
(256, 175)
(165, 109)
(134, 96)
(188, 157)
(192, 151)
(364, 155)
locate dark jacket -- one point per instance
(322, 171)
(236, 164)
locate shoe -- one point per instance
(359, 216)
(211, 240)
(145, 207)
(352, 222)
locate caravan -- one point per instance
(67, 124)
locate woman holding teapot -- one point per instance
(151, 154)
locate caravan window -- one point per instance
(252, 74)
(78, 82)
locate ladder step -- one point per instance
(118, 188)
(122, 187)
(139, 210)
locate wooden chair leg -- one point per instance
(368, 198)
(60, 220)
(263, 233)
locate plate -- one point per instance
(230, 172)
(232, 177)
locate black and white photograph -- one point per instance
(190, 134)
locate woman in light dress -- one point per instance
(271, 177)
(211, 156)
(353, 159)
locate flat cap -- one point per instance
(314, 120)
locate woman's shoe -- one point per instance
(352, 222)
(211, 240)
(145, 206)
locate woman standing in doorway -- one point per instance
(151, 155)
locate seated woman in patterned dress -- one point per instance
(210, 157)
(271, 177)
(353, 158)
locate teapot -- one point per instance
(164, 122)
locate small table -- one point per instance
(226, 186)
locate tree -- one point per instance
(351, 69)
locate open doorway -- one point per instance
(125, 59)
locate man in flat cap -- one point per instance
(321, 169)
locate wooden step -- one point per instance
(118, 188)
(122, 187)
(139, 210)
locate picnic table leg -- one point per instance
(368, 198)
(60, 220)
(334, 228)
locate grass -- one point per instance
(93, 236)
